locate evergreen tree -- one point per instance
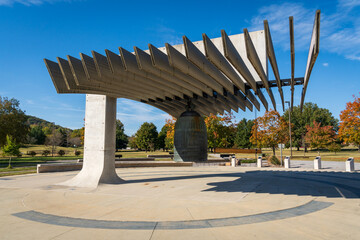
(162, 136)
(243, 133)
(299, 120)
(121, 137)
(38, 134)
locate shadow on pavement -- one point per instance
(326, 184)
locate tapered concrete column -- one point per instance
(99, 145)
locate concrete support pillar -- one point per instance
(317, 163)
(99, 143)
(349, 165)
(287, 162)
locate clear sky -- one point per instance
(31, 30)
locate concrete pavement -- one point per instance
(185, 203)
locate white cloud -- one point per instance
(132, 114)
(279, 23)
(339, 30)
(28, 2)
(165, 34)
(325, 64)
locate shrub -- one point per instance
(32, 153)
(334, 147)
(274, 160)
(45, 153)
(77, 153)
(61, 153)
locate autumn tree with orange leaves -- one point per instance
(220, 130)
(170, 131)
(269, 130)
(349, 130)
(319, 137)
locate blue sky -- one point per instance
(31, 30)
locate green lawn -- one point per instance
(16, 171)
(311, 154)
(26, 164)
(69, 151)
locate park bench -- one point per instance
(228, 153)
(160, 156)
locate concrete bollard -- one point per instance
(233, 161)
(317, 163)
(349, 164)
(287, 162)
(259, 162)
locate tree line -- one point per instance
(314, 127)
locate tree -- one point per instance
(299, 120)
(54, 140)
(220, 130)
(38, 134)
(121, 137)
(78, 133)
(12, 121)
(10, 148)
(334, 147)
(243, 133)
(269, 130)
(319, 137)
(75, 141)
(169, 139)
(161, 137)
(132, 142)
(146, 136)
(349, 130)
(61, 152)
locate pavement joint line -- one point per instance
(307, 208)
(337, 189)
(153, 231)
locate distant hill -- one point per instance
(35, 121)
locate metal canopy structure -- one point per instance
(211, 76)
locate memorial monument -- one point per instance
(187, 81)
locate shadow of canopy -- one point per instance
(302, 183)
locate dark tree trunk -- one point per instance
(273, 148)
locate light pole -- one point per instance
(289, 126)
(256, 148)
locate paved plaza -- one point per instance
(185, 203)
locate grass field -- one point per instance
(27, 164)
(69, 151)
(325, 155)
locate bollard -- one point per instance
(287, 162)
(259, 162)
(317, 163)
(349, 164)
(233, 161)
